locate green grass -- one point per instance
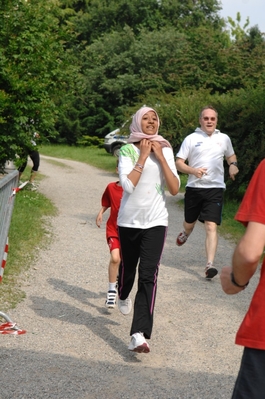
(94, 156)
(29, 231)
(230, 228)
(183, 182)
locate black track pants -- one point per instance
(144, 246)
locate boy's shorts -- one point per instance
(204, 204)
(113, 243)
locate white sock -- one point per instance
(112, 286)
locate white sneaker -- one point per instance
(125, 306)
(138, 343)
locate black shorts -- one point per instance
(35, 157)
(203, 204)
(250, 383)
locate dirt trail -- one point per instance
(75, 348)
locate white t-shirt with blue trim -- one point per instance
(203, 151)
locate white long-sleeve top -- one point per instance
(143, 206)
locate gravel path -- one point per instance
(75, 348)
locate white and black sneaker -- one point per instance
(210, 270)
(111, 299)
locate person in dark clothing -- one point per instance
(34, 155)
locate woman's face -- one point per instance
(149, 123)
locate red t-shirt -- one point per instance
(251, 333)
(111, 198)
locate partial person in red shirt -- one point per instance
(250, 383)
(111, 198)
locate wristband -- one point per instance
(139, 165)
(233, 281)
(233, 163)
(139, 171)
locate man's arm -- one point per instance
(233, 169)
(245, 259)
(184, 168)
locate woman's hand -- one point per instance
(157, 149)
(145, 148)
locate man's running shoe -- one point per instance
(182, 238)
(111, 299)
(138, 344)
(210, 270)
(125, 306)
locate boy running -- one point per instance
(111, 198)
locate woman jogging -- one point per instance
(146, 167)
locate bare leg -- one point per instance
(188, 227)
(32, 176)
(183, 236)
(211, 240)
(114, 264)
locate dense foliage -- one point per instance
(35, 72)
(71, 69)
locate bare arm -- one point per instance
(100, 215)
(233, 169)
(245, 258)
(135, 174)
(184, 168)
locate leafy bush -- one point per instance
(242, 118)
(88, 141)
(240, 115)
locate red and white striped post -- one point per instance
(4, 260)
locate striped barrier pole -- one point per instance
(9, 327)
(4, 261)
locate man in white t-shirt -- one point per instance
(204, 150)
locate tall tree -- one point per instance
(97, 17)
(35, 70)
